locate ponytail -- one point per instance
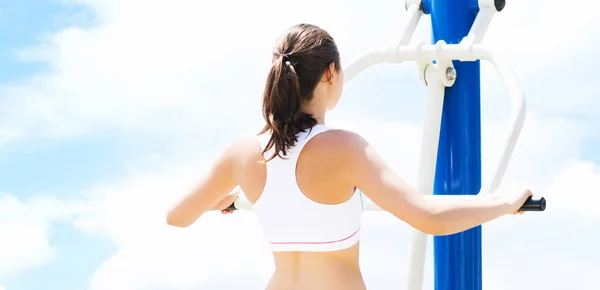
(281, 108)
(300, 58)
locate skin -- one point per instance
(330, 166)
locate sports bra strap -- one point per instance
(303, 138)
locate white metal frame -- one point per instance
(437, 77)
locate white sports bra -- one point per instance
(293, 222)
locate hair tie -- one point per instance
(285, 57)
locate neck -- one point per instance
(316, 110)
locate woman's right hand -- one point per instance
(516, 199)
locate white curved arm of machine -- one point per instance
(461, 53)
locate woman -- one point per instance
(302, 176)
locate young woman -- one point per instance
(302, 176)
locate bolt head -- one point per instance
(450, 74)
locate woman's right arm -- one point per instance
(370, 173)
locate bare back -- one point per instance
(318, 172)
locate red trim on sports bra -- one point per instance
(315, 243)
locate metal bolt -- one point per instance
(450, 73)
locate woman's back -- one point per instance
(320, 164)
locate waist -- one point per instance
(317, 271)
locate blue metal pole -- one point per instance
(457, 258)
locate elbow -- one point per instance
(432, 224)
(175, 221)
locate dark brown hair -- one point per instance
(300, 58)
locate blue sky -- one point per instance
(25, 22)
(46, 167)
(110, 110)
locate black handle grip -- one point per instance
(534, 204)
(232, 206)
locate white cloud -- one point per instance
(131, 72)
(135, 73)
(544, 34)
(24, 242)
(25, 229)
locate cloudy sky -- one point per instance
(110, 110)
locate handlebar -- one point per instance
(531, 204)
